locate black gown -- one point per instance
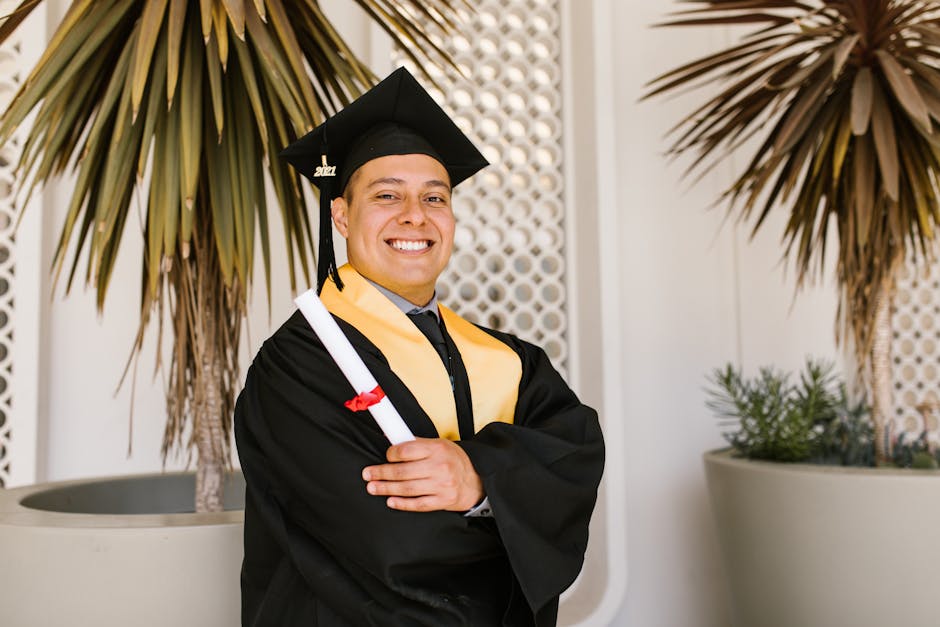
(320, 550)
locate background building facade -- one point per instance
(582, 234)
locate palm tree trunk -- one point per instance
(881, 371)
(210, 331)
(208, 328)
(210, 467)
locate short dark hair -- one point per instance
(347, 191)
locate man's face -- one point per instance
(398, 223)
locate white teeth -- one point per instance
(401, 244)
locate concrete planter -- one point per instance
(119, 552)
(823, 546)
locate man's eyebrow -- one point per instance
(388, 180)
(391, 180)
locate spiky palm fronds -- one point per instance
(841, 100)
(183, 104)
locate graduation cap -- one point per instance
(396, 117)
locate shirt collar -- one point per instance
(405, 305)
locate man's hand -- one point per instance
(426, 475)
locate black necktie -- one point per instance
(426, 321)
(456, 371)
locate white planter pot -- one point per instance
(119, 553)
(823, 546)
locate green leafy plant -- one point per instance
(915, 452)
(770, 418)
(837, 102)
(182, 105)
(846, 437)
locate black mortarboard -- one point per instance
(396, 117)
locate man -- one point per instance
(483, 519)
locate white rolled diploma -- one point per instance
(351, 365)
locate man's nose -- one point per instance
(413, 212)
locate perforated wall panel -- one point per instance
(508, 267)
(11, 75)
(915, 351)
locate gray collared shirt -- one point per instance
(407, 307)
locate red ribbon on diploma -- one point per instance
(364, 401)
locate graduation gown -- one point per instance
(320, 550)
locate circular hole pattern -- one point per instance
(507, 270)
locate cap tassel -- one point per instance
(326, 258)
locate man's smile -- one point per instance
(410, 245)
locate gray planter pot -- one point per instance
(119, 552)
(823, 546)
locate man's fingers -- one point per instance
(400, 471)
(418, 504)
(412, 450)
(418, 487)
(426, 475)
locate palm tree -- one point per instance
(181, 106)
(840, 99)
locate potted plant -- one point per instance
(811, 532)
(180, 107)
(837, 102)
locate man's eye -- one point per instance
(436, 199)
(386, 196)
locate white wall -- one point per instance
(694, 295)
(683, 277)
(84, 425)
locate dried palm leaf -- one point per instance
(184, 105)
(841, 99)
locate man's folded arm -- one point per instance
(540, 475)
(311, 453)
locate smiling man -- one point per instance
(397, 220)
(483, 519)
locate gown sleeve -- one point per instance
(541, 475)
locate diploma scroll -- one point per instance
(351, 365)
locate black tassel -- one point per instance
(326, 258)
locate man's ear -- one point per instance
(340, 212)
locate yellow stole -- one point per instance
(494, 369)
